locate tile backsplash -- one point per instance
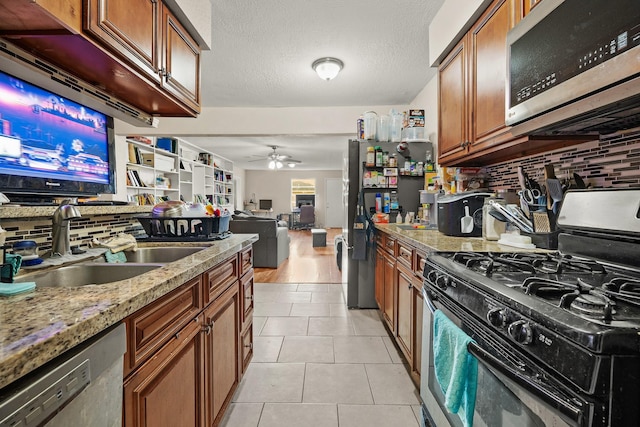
(82, 230)
(612, 161)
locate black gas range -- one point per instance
(565, 324)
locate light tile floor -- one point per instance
(318, 364)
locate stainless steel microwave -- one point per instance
(574, 67)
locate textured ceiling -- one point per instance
(262, 52)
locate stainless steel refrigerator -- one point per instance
(358, 275)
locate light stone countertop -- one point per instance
(10, 211)
(37, 326)
(433, 240)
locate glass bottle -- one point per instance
(371, 157)
(378, 156)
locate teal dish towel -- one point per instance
(455, 368)
(8, 289)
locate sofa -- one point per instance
(272, 248)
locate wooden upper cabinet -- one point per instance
(452, 93)
(488, 61)
(130, 28)
(181, 61)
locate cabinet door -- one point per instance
(128, 27)
(246, 347)
(181, 62)
(166, 390)
(404, 309)
(379, 278)
(246, 298)
(488, 62)
(388, 313)
(222, 373)
(452, 88)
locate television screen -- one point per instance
(52, 145)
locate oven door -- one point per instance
(504, 396)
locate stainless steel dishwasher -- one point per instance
(81, 387)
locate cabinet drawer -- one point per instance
(246, 260)
(246, 297)
(220, 278)
(405, 254)
(149, 328)
(390, 245)
(420, 261)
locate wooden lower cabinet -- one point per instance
(379, 278)
(165, 390)
(404, 292)
(221, 348)
(188, 381)
(389, 307)
(399, 296)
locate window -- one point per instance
(303, 192)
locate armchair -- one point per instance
(272, 247)
(307, 217)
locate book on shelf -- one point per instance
(141, 139)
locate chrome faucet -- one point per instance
(60, 244)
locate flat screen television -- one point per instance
(52, 146)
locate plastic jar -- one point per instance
(370, 123)
(382, 130)
(395, 127)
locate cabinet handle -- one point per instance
(206, 329)
(177, 335)
(410, 286)
(250, 345)
(250, 297)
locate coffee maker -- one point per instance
(429, 202)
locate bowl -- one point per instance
(170, 208)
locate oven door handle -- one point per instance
(569, 412)
(426, 296)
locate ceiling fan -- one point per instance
(277, 161)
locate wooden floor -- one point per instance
(306, 264)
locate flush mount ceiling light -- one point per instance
(327, 68)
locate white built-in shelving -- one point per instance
(174, 169)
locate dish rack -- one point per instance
(185, 228)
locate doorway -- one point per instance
(334, 208)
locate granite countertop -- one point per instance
(37, 326)
(433, 240)
(10, 211)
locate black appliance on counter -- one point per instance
(557, 333)
(461, 214)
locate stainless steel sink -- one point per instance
(161, 254)
(157, 255)
(86, 274)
